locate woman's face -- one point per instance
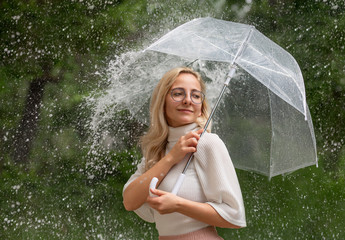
(183, 112)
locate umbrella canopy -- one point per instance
(263, 118)
(217, 40)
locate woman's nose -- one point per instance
(187, 100)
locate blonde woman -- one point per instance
(210, 195)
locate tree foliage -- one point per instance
(53, 42)
(53, 54)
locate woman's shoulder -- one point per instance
(210, 138)
(209, 148)
(210, 141)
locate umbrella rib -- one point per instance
(168, 34)
(272, 132)
(266, 68)
(213, 44)
(284, 73)
(277, 87)
(274, 62)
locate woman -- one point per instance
(210, 195)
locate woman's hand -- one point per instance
(186, 144)
(164, 202)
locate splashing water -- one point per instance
(69, 201)
(269, 206)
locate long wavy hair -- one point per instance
(154, 142)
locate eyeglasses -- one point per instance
(179, 94)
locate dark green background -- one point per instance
(53, 54)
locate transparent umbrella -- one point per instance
(262, 114)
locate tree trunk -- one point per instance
(28, 125)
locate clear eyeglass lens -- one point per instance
(179, 94)
(197, 96)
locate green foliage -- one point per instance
(63, 203)
(63, 193)
(292, 206)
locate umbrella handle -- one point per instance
(178, 183)
(154, 181)
(153, 185)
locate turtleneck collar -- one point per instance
(176, 133)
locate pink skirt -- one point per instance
(208, 233)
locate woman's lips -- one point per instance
(185, 110)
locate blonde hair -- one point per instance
(154, 142)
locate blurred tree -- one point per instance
(59, 43)
(44, 42)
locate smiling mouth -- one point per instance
(185, 110)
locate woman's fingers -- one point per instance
(191, 142)
(164, 203)
(157, 192)
(192, 138)
(195, 134)
(186, 144)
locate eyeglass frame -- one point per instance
(191, 98)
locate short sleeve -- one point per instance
(219, 180)
(145, 211)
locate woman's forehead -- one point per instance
(187, 81)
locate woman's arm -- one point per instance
(218, 179)
(137, 192)
(168, 203)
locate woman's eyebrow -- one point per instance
(185, 89)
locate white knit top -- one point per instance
(210, 178)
